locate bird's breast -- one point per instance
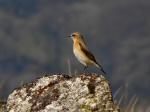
(80, 55)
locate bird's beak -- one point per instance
(70, 36)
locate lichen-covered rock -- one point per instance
(62, 93)
(2, 106)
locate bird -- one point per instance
(82, 53)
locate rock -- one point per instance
(62, 93)
(2, 106)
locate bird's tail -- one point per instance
(99, 66)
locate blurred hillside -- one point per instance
(33, 40)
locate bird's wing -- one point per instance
(91, 57)
(87, 53)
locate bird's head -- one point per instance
(76, 36)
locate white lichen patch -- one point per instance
(17, 104)
(52, 108)
(44, 81)
(82, 101)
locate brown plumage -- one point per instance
(82, 53)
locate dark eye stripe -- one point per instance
(73, 35)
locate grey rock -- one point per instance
(62, 93)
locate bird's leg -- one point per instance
(85, 67)
(103, 70)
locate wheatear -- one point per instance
(82, 53)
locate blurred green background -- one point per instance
(33, 41)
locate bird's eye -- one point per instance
(73, 35)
